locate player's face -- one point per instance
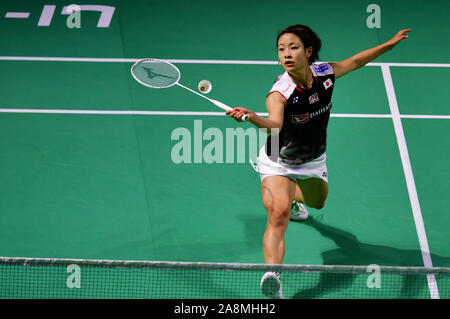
(292, 53)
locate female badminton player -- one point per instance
(292, 163)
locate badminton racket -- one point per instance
(159, 74)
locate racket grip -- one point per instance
(226, 108)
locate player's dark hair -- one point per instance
(308, 37)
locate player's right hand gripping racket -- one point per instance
(159, 74)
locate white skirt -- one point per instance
(317, 168)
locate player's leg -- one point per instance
(299, 212)
(298, 195)
(310, 192)
(277, 193)
(314, 191)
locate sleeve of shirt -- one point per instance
(283, 86)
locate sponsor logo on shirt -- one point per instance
(320, 111)
(287, 88)
(303, 118)
(300, 119)
(313, 98)
(321, 69)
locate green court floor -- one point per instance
(104, 186)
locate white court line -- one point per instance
(181, 113)
(412, 191)
(413, 65)
(432, 117)
(245, 62)
(107, 112)
(362, 115)
(123, 60)
(62, 59)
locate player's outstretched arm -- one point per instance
(364, 57)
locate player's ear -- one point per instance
(309, 51)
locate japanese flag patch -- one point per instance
(327, 83)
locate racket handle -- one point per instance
(221, 105)
(227, 108)
(215, 102)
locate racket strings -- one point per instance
(156, 74)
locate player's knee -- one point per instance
(279, 214)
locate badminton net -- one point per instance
(36, 278)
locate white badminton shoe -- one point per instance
(298, 212)
(271, 286)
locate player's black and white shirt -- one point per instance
(303, 136)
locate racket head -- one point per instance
(156, 74)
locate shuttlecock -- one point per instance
(204, 86)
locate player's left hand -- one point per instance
(402, 34)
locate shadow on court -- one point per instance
(353, 252)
